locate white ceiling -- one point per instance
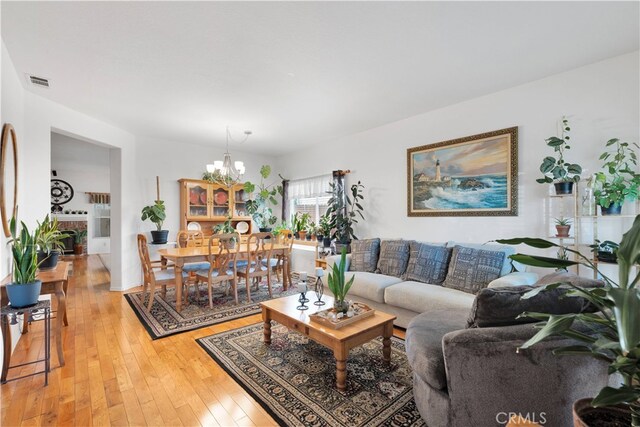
(297, 73)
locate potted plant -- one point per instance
(344, 211)
(260, 208)
(311, 230)
(338, 285)
(78, 240)
(619, 182)
(605, 251)
(615, 335)
(556, 170)
(24, 290)
(225, 228)
(50, 243)
(156, 214)
(324, 230)
(563, 225)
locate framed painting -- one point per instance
(472, 176)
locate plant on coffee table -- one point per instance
(338, 286)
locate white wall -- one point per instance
(85, 167)
(601, 99)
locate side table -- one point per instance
(9, 314)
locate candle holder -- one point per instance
(302, 300)
(319, 289)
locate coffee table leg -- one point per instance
(386, 342)
(341, 353)
(267, 326)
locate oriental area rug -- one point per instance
(294, 379)
(163, 319)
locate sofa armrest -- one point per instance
(487, 376)
(517, 278)
(333, 259)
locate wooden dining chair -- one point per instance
(192, 239)
(222, 264)
(154, 273)
(258, 258)
(285, 237)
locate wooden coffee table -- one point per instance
(284, 311)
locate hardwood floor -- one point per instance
(116, 375)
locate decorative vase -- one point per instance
(159, 237)
(562, 230)
(563, 187)
(24, 294)
(48, 261)
(585, 415)
(341, 306)
(613, 209)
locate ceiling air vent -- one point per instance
(38, 81)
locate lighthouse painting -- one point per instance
(475, 175)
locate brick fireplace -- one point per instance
(69, 223)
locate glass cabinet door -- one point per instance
(198, 201)
(220, 202)
(240, 198)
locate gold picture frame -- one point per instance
(472, 176)
(8, 132)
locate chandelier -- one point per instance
(227, 172)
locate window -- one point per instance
(309, 196)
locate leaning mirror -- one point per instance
(8, 176)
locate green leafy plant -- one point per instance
(225, 227)
(616, 328)
(557, 169)
(155, 213)
(24, 253)
(48, 237)
(344, 211)
(260, 207)
(311, 228)
(79, 235)
(606, 251)
(324, 226)
(277, 230)
(563, 221)
(619, 182)
(336, 281)
(300, 222)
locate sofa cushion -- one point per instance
(424, 343)
(502, 306)
(394, 256)
(428, 263)
(364, 255)
(369, 285)
(472, 269)
(508, 250)
(421, 297)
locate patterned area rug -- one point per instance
(164, 320)
(294, 379)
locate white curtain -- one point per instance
(309, 187)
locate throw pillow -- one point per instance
(427, 263)
(364, 255)
(394, 256)
(472, 269)
(501, 306)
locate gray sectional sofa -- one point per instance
(408, 298)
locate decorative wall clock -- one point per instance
(61, 192)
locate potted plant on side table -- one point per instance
(557, 170)
(156, 214)
(338, 286)
(619, 182)
(49, 240)
(615, 327)
(24, 289)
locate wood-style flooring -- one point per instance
(116, 375)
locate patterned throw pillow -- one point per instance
(394, 256)
(364, 255)
(427, 263)
(471, 270)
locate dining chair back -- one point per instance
(258, 261)
(279, 260)
(222, 257)
(154, 273)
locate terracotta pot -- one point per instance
(78, 249)
(303, 235)
(584, 414)
(562, 230)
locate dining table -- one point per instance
(181, 256)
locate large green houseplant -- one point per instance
(338, 285)
(50, 240)
(345, 210)
(616, 326)
(260, 207)
(156, 214)
(619, 181)
(556, 169)
(24, 289)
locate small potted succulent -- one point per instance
(78, 241)
(619, 182)
(156, 214)
(24, 289)
(50, 243)
(338, 286)
(557, 170)
(563, 225)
